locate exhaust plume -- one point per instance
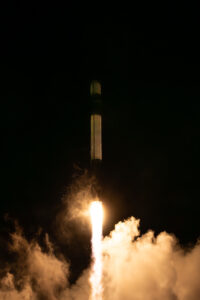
(96, 213)
(134, 266)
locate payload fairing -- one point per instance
(96, 123)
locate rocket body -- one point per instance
(95, 123)
(96, 143)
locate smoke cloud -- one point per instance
(74, 211)
(34, 274)
(135, 267)
(148, 267)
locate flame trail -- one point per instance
(96, 213)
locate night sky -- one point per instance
(151, 90)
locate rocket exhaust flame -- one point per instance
(96, 213)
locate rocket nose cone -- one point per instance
(95, 88)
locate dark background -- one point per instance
(148, 64)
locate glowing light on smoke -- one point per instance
(96, 213)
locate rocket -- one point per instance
(95, 123)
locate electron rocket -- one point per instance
(95, 123)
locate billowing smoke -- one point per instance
(148, 267)
(135, 267)
(34, 274)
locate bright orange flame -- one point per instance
(96, 213)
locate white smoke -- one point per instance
(74, 211)
(135, 267)
(148, 267)
(38, 275)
